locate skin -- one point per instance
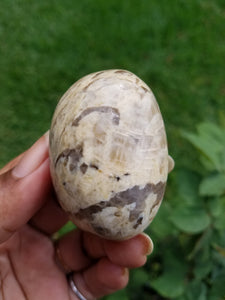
(30, 266)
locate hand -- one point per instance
(32, 266)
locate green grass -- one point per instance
(177, 47)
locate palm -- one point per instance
(28, 268)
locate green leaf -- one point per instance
(171, 283)
(190, 219)
(216, 207)
(139, 277)
(69, 226)
(213, 185)
(206, 146)
(196, 290)
(203, 263)
(187, 185)
(202, 270)
(161, 226)
(210, 140)
(201, 249)
(120, 295)
(206, 163)
(212, 130)
(217, 291)
(188, 213)
(221, 114)
(219, 223)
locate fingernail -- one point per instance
(125, 271)
(32, 158)
(147, 244)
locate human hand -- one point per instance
(32, 266)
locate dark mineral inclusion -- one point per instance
(73, 154)
(133, 195)
(100, 109)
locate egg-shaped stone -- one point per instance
(108, 154)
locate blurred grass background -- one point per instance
(176, 47)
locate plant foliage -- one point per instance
(189, 231)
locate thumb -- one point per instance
(25, 184)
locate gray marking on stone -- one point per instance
(139, 222)
(158, 189)
(121, 72)
(102, 230)
(132, 195)
(145, 89)
(72, 156)
(101, 109)
(84, 168)
(93, 166)
(97, 74)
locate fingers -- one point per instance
(70, 254)
(50, 218)
(109, 272)
(32, 158)
(24, 189)
(94, 278)
(77, 250)
(130, 253)
(11, 164)
(101, 279)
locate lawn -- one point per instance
(176, 47)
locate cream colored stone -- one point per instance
(108, 154)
